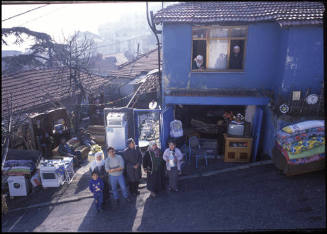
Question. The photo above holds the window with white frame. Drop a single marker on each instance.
(218, 48)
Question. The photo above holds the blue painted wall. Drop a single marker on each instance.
(281, 59)
(276, 58)
(301, 60)
(262, 57)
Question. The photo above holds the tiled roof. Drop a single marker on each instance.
(142, 65)
(285, 13)
(31, 88)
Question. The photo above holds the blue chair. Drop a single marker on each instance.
(185, 151)
(195, 149)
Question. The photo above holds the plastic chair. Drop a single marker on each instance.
(194, 148)
(186, 152)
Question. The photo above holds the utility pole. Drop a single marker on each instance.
(6, 144)
(138, 50)
(156, 32)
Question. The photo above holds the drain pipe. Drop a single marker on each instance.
(156, 32)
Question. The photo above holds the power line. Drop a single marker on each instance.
(25, 12)
(26, 22)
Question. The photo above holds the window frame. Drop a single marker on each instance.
(195, 27)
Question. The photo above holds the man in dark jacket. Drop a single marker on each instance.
(133, 160)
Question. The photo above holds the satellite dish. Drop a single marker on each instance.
(153, 105)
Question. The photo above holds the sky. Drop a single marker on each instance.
(60, 20)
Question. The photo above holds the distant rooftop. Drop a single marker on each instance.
(140, 66)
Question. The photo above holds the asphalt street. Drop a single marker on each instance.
(258, 198)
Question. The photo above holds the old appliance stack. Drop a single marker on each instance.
(56, 172)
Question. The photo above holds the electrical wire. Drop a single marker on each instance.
(26, 22)
(24, 12)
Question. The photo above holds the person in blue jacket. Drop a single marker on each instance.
(96, 187)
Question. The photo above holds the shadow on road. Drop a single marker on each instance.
(25, 221)
(118, 219)
(83, 182)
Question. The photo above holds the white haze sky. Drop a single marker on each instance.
(60, 20)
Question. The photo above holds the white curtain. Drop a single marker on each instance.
(217, 54)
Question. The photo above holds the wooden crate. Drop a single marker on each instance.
(84, 151)
(237, 149)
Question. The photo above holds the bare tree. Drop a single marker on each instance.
(74, 56)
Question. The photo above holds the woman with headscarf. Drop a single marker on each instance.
(133, 159)
(98, 165)
(154, 166)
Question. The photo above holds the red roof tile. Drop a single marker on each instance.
(30, 89)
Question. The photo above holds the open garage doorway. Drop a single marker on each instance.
(210, 122)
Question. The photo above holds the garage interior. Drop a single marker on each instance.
(207, 122)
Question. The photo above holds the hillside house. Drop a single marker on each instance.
(245, 57)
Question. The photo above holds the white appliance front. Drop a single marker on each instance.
(18, 186)
(50, 178)
(116, 137)
(116, 130)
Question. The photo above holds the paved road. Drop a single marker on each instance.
(257, 198)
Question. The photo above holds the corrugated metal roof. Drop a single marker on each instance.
(285, 13)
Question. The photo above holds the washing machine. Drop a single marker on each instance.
(18, 186)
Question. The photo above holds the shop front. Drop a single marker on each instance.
(209, 119)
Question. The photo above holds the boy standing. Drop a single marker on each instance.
(173, 157)
(96, 187)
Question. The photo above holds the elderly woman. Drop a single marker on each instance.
(154, 166)
(98, 165)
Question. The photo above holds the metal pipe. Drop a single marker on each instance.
(153, 28)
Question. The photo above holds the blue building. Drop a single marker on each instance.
(223, 56)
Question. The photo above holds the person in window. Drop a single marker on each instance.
(198, 62)
(66, 150)
(235, 61)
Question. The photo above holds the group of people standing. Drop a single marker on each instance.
(129, 165)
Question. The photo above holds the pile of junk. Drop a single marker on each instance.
(27, 170)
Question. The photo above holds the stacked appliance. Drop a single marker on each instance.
(116, 130)
(19, 167)
(56, 172)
